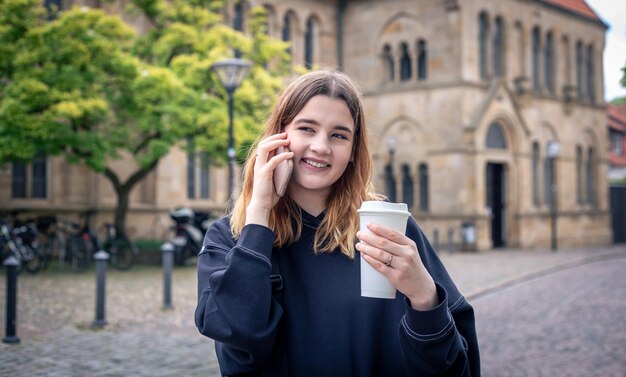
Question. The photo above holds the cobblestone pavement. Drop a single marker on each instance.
(568, 323)
(56, 308)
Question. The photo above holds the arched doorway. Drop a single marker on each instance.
(496, 188)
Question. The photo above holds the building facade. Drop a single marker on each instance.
(464, 99)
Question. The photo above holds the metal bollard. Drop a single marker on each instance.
(450, 239)
(436, 239)
(11, 264)
(168, 262)
(101, 258)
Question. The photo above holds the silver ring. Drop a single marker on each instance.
(388, 263)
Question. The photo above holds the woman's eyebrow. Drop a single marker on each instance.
(307, 121)
(344, 128)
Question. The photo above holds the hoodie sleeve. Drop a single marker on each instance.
(235, 303)
(441, 341)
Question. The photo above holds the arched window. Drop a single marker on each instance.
(308, 43)
(591, 92)
(535, 173)
(287, 30)
(590, 177)
(405, 63)
(495, 137)
(483, 35)
(549, 63)
(407, 186)
(390, 183)
(388, 63)
(498, 39)
(579, 174)
(422, 60)
(579, 69)
(536, 51)
(423, 176)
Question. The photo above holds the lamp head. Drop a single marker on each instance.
(231, 72)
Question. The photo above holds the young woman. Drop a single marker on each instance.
(310, 319)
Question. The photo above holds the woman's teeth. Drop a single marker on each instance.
(316, 164)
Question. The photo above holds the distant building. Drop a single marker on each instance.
(463, 98)
(617, 142)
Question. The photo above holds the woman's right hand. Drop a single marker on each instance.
(264, 197)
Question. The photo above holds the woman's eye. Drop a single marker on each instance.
(305, 129)
(340, 136)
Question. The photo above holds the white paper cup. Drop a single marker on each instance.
(392, 215)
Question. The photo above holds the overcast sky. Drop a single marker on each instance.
(613, 12)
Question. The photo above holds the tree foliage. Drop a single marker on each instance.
(86, 85)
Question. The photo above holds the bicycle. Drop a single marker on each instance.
(122, 250)
(22, 244)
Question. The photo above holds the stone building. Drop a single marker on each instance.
(463, 99)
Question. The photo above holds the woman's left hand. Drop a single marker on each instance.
(395, 256)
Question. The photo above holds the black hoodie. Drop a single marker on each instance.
(321, 326)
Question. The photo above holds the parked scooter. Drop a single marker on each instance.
(188, 233)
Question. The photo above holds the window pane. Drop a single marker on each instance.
(39, 176)
(590, 75)
(536, 50)
(547, 181)
(407, 186)
(422, 60)
(535, 174)
(548, 62)
(390, 183)
(191, 175)
(204, 176)
(287, 30)
(19, 180)
(497, 48)
(579, 69)
(495, 137)
(483, 33)
(590, 177)
(389, 65)
(308, 43)
(579, 173)
(238, 18)
(405, 63)
(423, 174)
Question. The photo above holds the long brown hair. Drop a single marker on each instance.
(340, 223)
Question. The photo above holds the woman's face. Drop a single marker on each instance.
(321, 137)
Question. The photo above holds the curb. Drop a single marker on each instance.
(497, 287)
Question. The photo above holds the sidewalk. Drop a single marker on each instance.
(477, 274)
(55, 310)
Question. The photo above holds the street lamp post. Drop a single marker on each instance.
(231, 73)
(554, 149)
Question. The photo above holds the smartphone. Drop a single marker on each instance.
(282, 173)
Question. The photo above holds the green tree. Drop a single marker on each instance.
(87, 86)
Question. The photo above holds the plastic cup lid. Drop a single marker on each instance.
(379, 206)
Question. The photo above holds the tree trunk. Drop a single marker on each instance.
(123, 190)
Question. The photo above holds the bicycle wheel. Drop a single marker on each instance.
(123, 253)
(29, 258)
(78, 254)
(47, 250)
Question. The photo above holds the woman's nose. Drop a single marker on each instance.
(320, 145)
